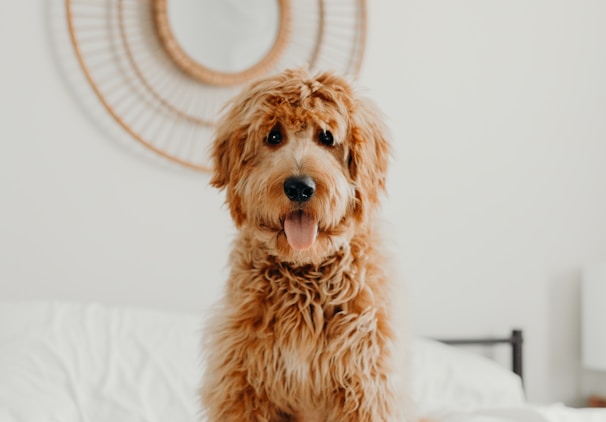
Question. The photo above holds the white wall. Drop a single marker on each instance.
(497, 191)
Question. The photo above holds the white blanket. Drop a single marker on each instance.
(89, 363)
(526, 413)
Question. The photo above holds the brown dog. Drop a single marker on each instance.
(303, 332)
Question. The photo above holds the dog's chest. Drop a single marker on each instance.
(305, 323)
(302, 338)
(302, 312)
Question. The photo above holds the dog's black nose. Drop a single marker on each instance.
(299, 188)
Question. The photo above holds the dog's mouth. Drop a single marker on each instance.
(301, 230)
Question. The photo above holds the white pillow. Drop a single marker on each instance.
(90, 363)
(445, 378)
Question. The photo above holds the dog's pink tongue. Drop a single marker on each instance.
(301, 230)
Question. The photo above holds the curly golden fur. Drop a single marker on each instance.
(303, 332)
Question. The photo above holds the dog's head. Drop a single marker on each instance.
(303, 161)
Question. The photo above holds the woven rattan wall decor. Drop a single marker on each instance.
(133, 54)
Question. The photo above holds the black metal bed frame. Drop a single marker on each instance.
(516, 340)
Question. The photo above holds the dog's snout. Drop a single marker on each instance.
(299, 188)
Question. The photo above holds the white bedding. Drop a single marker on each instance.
(526, 413)
(89, 363)
(446, 379)
(92, 363)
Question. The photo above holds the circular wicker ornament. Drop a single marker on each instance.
(169, 102)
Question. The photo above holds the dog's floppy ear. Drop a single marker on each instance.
(228, 147)
(223, 152)
(369, 154)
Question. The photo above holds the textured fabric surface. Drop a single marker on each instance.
(66, 362)
(446, 378)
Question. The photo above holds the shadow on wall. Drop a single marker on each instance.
(564, 336)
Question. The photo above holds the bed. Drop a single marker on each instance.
(93, 363)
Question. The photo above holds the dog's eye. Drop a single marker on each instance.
(274, 137)
(326, 138)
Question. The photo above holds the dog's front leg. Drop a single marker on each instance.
(227, 394)
(358, 406)
(239, 404)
